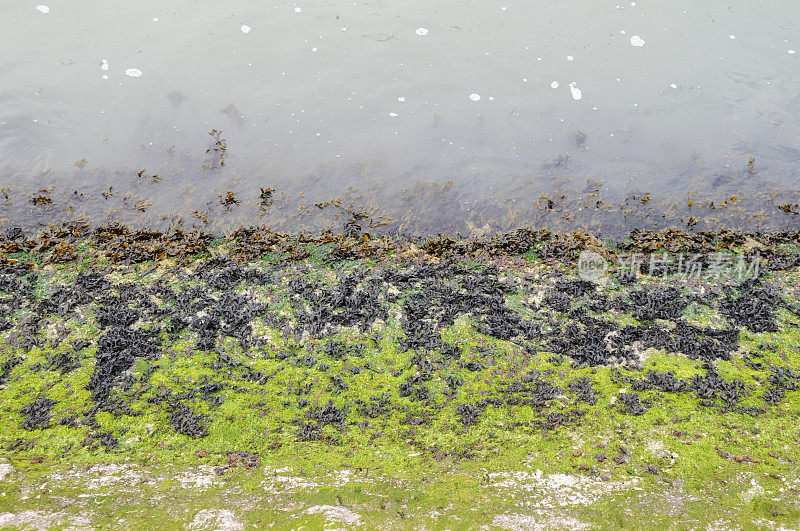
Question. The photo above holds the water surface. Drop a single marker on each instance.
(503, 98)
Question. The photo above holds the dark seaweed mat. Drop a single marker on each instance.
(137, 321)
(36, 415)
(658, 303)
(117, 350)
(754, 306)
(188, 422)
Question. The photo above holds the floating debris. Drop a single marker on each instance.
(217, 153)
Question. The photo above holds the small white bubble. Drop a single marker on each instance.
(298, 9)
(674, 86)
(401, 98)
(791, 52)
(392, 114)
(246, 29)
(133, 72)
(637, 41)
(570, 58)
(155, 19)
(732, 37)
(421, 32)
(554, 84)
(43, 9)
(104, 66)
(475, 97)
(105, 76)
(314, 49)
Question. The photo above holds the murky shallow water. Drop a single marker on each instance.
(505, 98)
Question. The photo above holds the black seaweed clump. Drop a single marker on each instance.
(781, 379)
(328, 414)
(353, 301)
(37, 414)
(188, 422)
(785, 378)
(470, 413)
(583, 389)
(587, 341)
(440, 293)
(662, 381)
(223, 273)
(108, 441)
(658, 303)
(633, 404)
(67, 360)
(560, 302)
(7, 365)
(754, 307)
(532, 391)
(117, 350)
(704, 343)
(575, 287)
(378, 405)
(711, 387)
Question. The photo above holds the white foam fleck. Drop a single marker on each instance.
(314, 49)
(392, 114)
(576, 92)
(637, 41)
(246, 29)
(104, 65)
(298, 9)
(343, 28)
(43, 9)
(554, 84)
(732, 37)
(421, 31)
(133, 72)
(570, 58)
(674, 86)
(475, 97)
(401, 98)
(791, 52)
(155, 19)
(105, 76)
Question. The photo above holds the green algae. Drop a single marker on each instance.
(678, 464)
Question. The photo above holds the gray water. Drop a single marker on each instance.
(502, 98)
